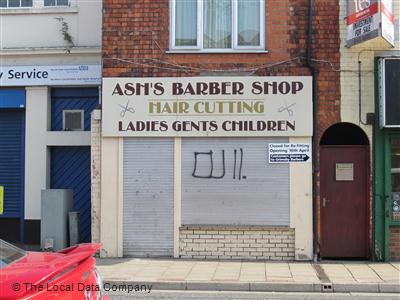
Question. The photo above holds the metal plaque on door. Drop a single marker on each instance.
(344, 172)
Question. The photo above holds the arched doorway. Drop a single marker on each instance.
(344, 192)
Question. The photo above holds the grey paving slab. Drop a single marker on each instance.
(165, 285)
(396, 265)
(278, 272)
(303, 272)
(172, 274)
(153, 271)
(121, 271)
(362, 273)
(178, 271)
(202, 271)
(386, 272)
(252, 272)
(338, 273)
(356, 287)
(281, 287)
(227, 271)
(218, 286)
(389, 288)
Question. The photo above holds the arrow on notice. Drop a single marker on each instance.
(277, 158)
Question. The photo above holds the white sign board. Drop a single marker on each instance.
(387, 19)
(344, 172)
(368, 19)
(207, 106)
(50, 75)
(289, 153)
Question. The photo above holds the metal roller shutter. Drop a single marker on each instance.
(148, 213)
(11, 161)
(229, 181)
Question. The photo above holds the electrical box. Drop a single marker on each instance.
(56, 205)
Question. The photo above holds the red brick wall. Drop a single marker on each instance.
(394, 243)
(136, 43)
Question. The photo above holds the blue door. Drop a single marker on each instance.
(70, 169)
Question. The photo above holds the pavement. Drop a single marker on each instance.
(201, 275)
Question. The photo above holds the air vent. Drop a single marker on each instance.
(73, 120)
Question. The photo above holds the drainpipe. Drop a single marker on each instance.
(313, 71)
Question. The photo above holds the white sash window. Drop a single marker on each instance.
(217, 25)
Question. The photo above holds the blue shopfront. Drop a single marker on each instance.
(12, 144)
(45, 144)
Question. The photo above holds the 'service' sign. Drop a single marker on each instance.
(50, 75)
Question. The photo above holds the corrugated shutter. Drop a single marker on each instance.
(148, 197)
(70, 169)
(11, 161)
(229, 181)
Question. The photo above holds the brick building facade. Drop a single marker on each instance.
(360, 96)
(137, 44)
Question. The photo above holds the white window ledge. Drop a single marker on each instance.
(214, 51)
(38, 10)
(52, 50)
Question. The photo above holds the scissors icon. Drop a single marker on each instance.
(287, 108)
(125, 109)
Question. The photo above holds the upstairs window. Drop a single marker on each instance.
(217, 25)
(31, 3)
(56, 3)
(15, 3)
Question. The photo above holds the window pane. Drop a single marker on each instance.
(13, 3)
(49, 2)
(3, 3)
(26, 3)
(248, 22)
(62, 2)
(217, 19)
(395, 172)
(186, 23)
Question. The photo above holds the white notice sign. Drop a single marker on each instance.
(289, 153)
(50, 75)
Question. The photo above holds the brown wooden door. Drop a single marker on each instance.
(344, 201)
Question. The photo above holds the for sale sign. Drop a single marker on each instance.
(368, 19)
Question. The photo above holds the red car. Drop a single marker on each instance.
(67, 274)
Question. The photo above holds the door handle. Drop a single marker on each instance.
(324, 202)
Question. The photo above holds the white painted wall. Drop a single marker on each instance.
(349, 57)
(36, 57)
(301, 212)
(37, 26)
(111, 202)
(37, 99)
(37, 140)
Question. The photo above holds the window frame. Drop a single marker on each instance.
(56, 4)
(38, 5)
(199, 47)
(16, 7)
(66, 111)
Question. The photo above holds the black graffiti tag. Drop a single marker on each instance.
(237, 166)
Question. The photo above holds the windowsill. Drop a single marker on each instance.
(38, 10)
(219, 51)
